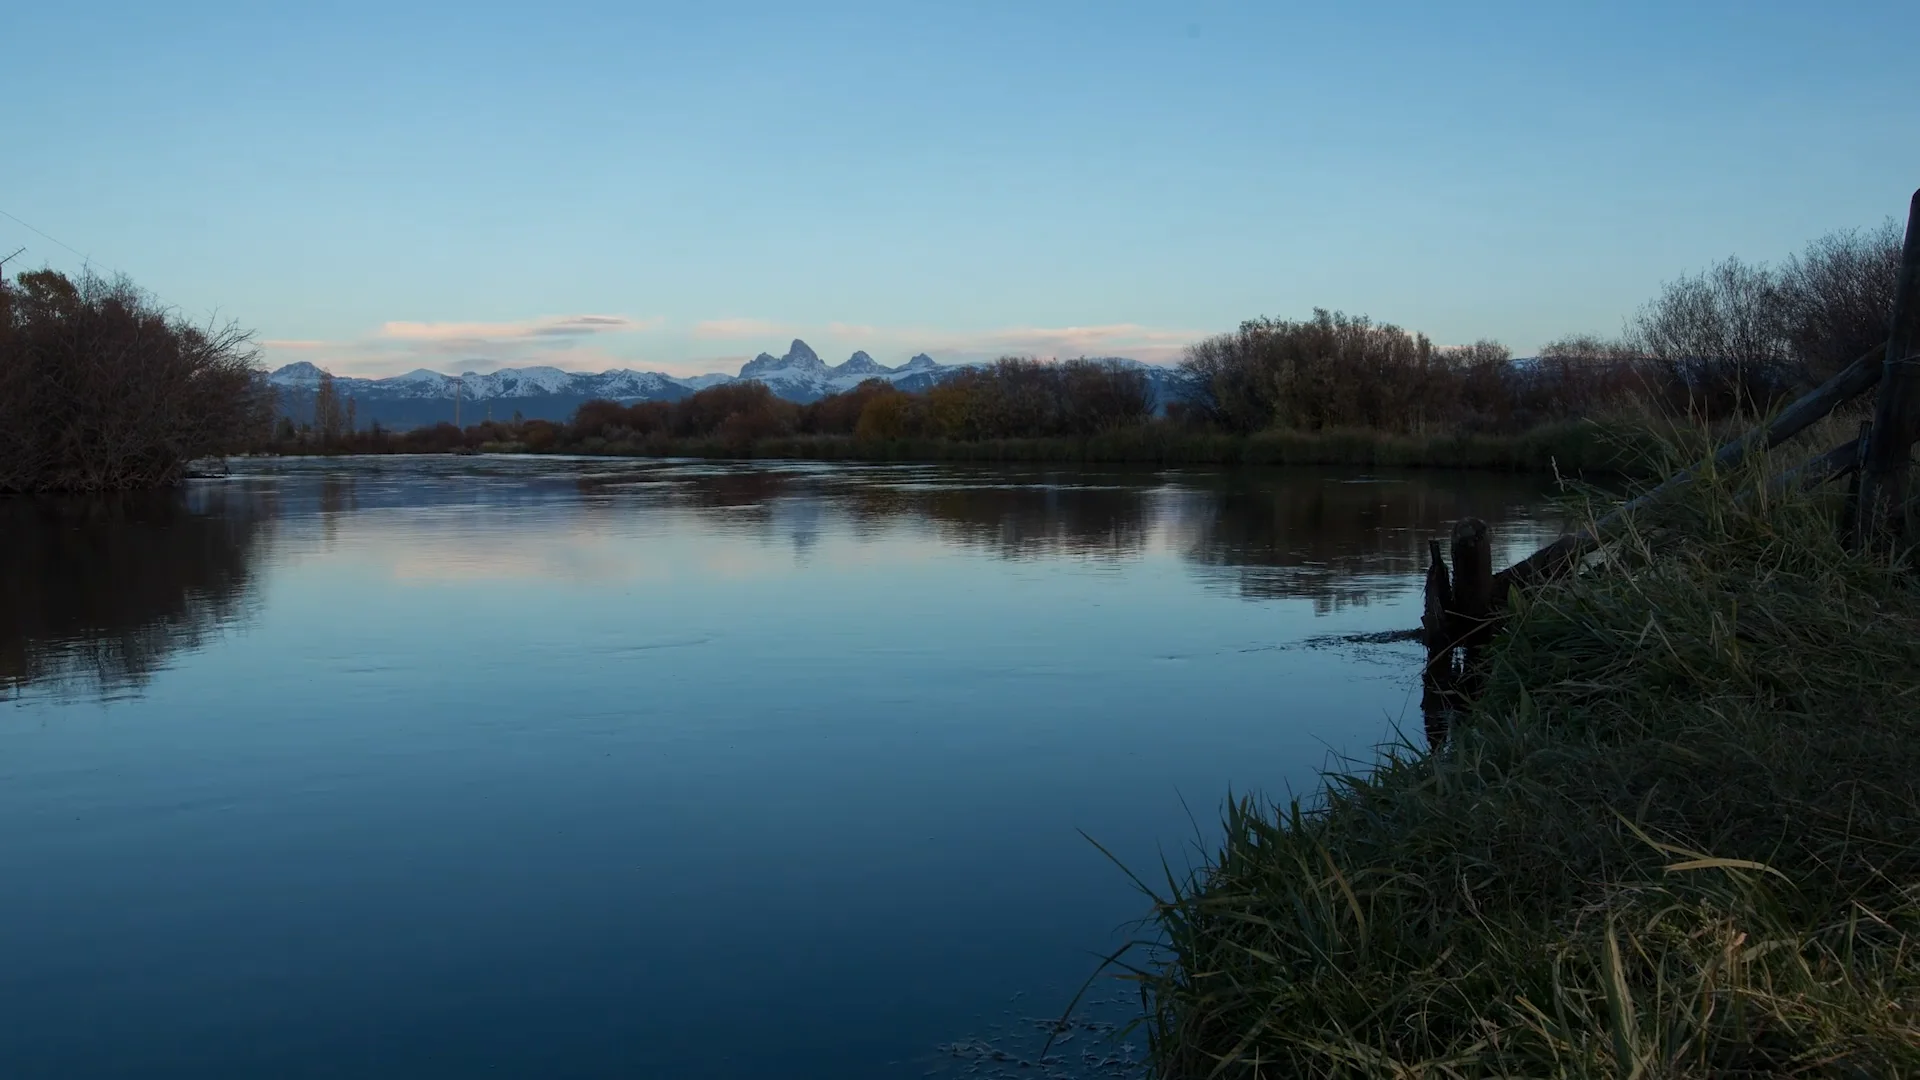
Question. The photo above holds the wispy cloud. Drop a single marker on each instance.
(1141, 342)
(553, 326)
(1153, 344)
(744, 328)
(599, 342)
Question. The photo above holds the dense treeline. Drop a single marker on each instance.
(1732, 340)
(1015, 398)
(1332, 388)
(102, 389)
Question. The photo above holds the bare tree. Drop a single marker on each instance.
(1719, 336)
(1837, 296)
(328, 417)
(103, 389)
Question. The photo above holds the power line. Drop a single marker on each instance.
(45, 236)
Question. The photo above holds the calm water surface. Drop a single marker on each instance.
(452, 767)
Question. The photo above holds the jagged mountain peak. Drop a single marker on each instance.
(861, 364)
(800, 354)
(800, 358)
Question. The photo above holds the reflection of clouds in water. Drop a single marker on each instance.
(1311, 534)
(801, 521)
(105, 595)
(612, 546)
(568, 559)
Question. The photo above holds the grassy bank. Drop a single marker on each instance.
(1573, 447)
(1676, 837)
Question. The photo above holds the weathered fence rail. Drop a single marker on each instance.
(1464, 606)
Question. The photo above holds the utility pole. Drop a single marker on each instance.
(457, 381)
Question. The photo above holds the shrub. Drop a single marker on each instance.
(884, 416)
(101, 389)
(704, 413)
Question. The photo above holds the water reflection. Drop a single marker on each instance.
(105, 590)
(1337, 540)
(1049, 517)
(101, 591)
(492, 722)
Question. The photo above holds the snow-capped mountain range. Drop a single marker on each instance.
(426, 397)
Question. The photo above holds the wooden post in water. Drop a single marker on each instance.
(1884, 481)
(1437, 679)
(1471, 618)
(1433, 623)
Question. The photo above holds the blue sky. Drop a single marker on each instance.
(379, 187)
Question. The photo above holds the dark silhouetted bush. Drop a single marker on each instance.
(101, 389)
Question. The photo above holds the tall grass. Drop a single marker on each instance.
(1678, 836)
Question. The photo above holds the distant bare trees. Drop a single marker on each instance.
(1333, 370)
(1732, 339)
(1738, 336)
(1837, 295)
(1020, 397)
(101, 389)
(332, 420)
(1012, 398)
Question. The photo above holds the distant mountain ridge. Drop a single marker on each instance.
(422, 397)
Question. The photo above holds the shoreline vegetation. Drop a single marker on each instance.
(1712, 349)
(1669, 832)
(104, 389)
(1589, 448)
(1673, 837)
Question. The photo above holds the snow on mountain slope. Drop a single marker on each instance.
(299, 374)
(861, 364)
(548, 392)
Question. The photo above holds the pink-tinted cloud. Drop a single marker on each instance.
(1152, 344)
(547, 327)
(744, 328)
(600, 342)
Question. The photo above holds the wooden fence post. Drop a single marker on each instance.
(1884, 481)
(1471, 623)
(1434, 630)
(1850, 509)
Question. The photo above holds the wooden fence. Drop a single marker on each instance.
(1464, 605)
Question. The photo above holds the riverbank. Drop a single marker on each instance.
(1572, 448)
(1673, 838)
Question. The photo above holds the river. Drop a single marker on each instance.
(445, 767)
